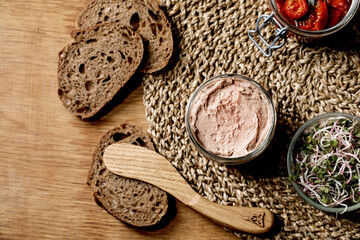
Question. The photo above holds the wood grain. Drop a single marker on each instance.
(45, 152)
(146, 165)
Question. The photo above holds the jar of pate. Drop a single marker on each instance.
(230, 119)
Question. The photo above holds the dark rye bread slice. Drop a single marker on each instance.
(95, 65)
(134, 202)
(145, 16)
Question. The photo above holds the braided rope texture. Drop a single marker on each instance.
(303, 80)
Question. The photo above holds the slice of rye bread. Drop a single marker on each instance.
(134, 202)
(96, 65)
(145, 16)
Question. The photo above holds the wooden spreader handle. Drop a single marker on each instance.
(136, 162)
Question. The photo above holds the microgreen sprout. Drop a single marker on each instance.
(327, 162)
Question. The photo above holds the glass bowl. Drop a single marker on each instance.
(291, 166)
(260, 147)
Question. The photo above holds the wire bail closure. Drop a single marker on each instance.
(280, 33)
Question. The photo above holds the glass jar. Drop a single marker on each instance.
(260, 146)
(283, 26)
(291, 162)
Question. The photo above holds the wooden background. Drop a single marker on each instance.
(45, 152)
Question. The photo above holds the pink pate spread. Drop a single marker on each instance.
(231, 117)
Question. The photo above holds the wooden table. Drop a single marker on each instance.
(45, 152)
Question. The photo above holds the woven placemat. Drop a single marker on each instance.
(303, 81)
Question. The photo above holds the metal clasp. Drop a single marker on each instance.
(280, 32)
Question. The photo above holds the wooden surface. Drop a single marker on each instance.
(45, 152)
(143, 164)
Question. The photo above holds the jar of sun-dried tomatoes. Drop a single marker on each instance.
(306, 19)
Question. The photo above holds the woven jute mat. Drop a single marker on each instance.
(303, 80)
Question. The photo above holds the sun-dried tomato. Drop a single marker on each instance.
(324, 14)
(309, 22)
(296, 9)
(341, 5)
(334, 17)
(321, 13)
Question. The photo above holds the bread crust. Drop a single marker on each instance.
(145, 17)
(95, 65)
(134, 202)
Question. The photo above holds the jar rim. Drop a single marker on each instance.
(222, 159)
(324, 32)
